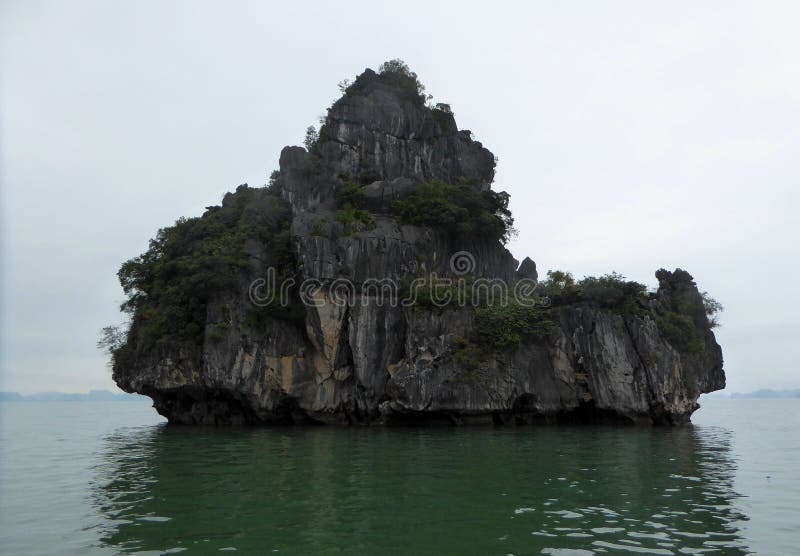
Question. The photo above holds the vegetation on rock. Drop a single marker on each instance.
(168, 287)
(680, 330)
(682, 319)
(460, 209)
(396, 72)
(713, 308)
(501, 326)
(351, 199)
(611, 291)
(354, 220)
(351, 193)
(311, 137)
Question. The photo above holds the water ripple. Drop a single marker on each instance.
(156, 490)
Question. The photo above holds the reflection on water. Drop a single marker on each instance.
(419, 491)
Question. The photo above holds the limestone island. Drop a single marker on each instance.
(369, 283)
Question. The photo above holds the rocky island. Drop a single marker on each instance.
(369, 283)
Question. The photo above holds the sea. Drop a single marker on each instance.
(112, 478)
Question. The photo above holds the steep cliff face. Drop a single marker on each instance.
(366, 357)
(381, 134)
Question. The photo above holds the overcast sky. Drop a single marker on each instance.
(631, 136)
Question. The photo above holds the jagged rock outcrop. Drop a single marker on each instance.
(368, 359)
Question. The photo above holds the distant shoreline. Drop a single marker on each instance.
(91, 396)
(108, 396)
(758, 394)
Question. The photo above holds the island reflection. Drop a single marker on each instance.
(422, 491)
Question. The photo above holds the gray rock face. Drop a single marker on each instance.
(527, 269)
(374, 133)
(379, 133)
(373, 361)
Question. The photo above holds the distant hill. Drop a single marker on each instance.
(768, 393)
(91, 396)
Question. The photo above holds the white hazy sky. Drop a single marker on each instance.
(631, 136)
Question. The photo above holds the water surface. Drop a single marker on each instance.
(110, 477)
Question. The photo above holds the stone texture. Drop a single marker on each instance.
(527, 269)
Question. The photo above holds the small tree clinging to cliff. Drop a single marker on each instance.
(112, 338)
(311, 137)
(713, 308)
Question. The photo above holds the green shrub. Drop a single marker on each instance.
(561, 279)
(680, 331)
(559, 287)
(499, 327)
(351, 200)
(351, 193)
(354, 220)
(610, 291)
(459, 209)
(613, 291)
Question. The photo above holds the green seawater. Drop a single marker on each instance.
(111, 478)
